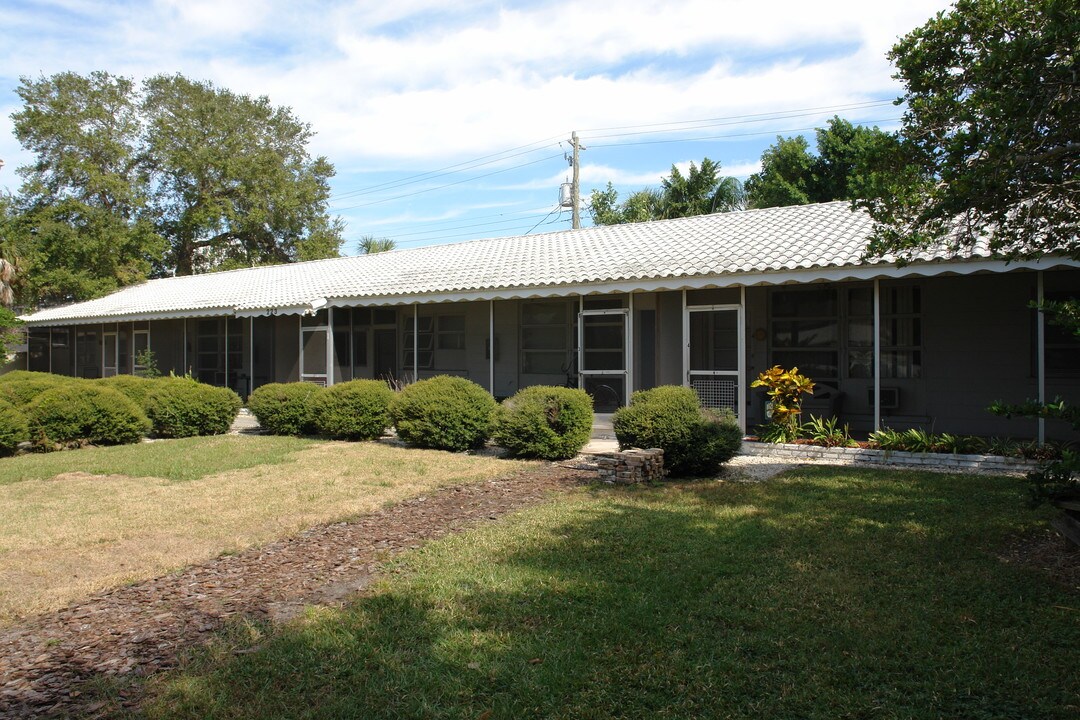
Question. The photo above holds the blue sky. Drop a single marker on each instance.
(447, 123)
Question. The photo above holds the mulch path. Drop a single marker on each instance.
(133, 631)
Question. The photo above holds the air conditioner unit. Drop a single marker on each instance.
(890, 397)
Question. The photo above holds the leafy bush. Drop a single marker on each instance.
(354, 410)
(285, 408)
(20, 387)
(443, 412)
(135, 387)
(13, 428)
(785, 389)
(85, 411)
(182, 407)
(828, 432)
(552, 423)
(696, 442)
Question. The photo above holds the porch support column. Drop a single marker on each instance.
(251, 355)
(1040, 352)
(183, 370)
(685, 343)
(629, 347)
(226, 351)
(744, 405)
(329, 346)
(491, 347)
(415, 342)
(581, 342)
(50, 351)
(877, 355)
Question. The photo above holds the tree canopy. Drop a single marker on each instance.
(700, 191)
(852, 161)
(171, 176)
(990, 142)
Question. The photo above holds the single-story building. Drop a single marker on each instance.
(706, 301)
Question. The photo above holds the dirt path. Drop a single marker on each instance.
(140, 629)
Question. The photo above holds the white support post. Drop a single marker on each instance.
(877, 355)
(329, 347)
(251, 355)
(416, 341)
(185, 368)
(581, 341)
(629, 347)
(1040, 352)
(744, 405)
(685, 343)
(491, 347)
(226, 351)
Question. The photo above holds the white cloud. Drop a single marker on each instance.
(418, 84)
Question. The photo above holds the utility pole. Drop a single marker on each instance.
(575, 185)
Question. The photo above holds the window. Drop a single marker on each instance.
(1062, 346)
(901, 332)
(805, 332)
(441, 342)
(815, 328)
(424, 337)
(545, 332)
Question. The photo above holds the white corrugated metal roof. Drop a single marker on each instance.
(799, 238)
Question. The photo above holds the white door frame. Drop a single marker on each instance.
(326, 375)
(628, 349)
(115, 367)
(740, 373)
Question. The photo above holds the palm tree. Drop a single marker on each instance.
(369, 245)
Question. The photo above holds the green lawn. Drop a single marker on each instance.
(829, 593)
(183, 459)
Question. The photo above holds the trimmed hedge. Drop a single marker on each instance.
(696, 442)
(13, 428)
(20, 387)
(182, 407)
(547, 422)
(285, 408)
(135, 387)
(83, 411)
(443, 412)
(354, 410)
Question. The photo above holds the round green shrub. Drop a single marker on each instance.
(87, 412)
(285, 408)
(696, 442)
(13, 428)
(135, 387)
(443, 412)
(354, 410)
(182, 407)
(20, 387)
(547, 422)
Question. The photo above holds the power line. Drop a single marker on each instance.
(722, 137)
(442, 187)
(775, 113)
(553, 210)
(544, 143)
(519, 219)
(450, 169)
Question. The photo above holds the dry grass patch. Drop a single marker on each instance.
(74, 533)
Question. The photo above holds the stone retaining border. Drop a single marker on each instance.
(631, 466)
(877, 458)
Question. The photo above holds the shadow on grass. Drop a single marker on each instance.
(828, 594)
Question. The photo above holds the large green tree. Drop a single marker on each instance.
(173, 176)
(852, 161)
(700, 191)
(991, 133)
(82, 228)
(233, 183)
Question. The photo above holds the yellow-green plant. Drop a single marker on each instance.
(785, 389)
